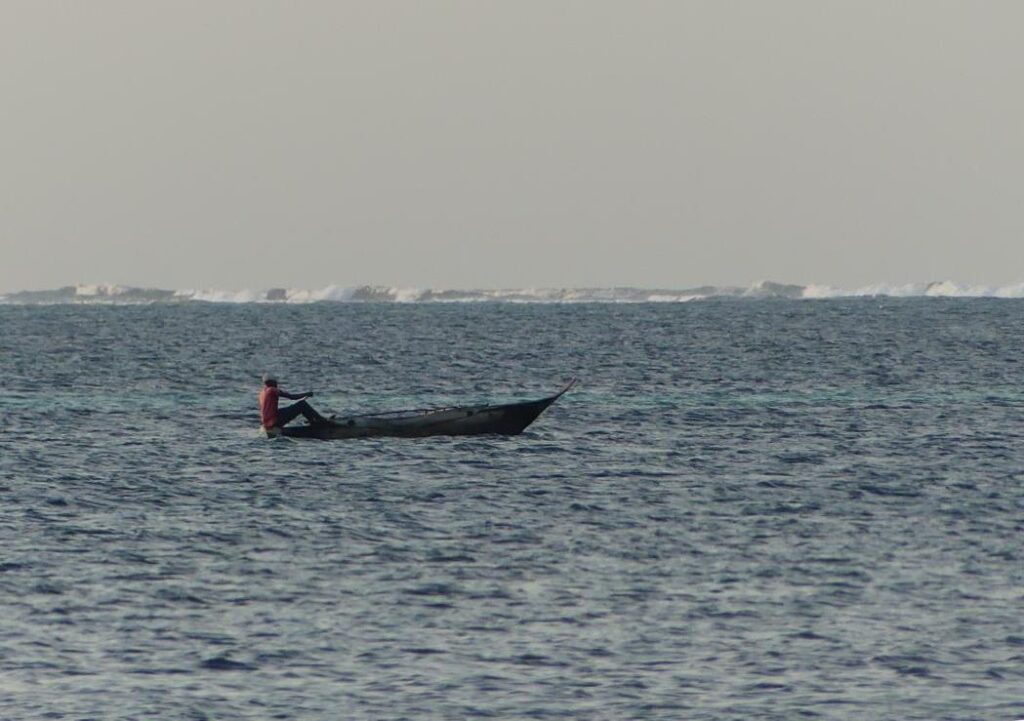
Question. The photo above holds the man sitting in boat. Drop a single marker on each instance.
(274, 417)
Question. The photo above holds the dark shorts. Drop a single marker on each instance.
(290, 413)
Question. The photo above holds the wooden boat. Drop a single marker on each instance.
(509, 419)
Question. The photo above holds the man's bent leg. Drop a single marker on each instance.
(286, 415)
(311, 414)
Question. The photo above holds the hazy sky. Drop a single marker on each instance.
(248, 144)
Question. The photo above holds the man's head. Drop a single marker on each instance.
(269, 379)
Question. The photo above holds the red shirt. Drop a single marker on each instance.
(268, 405)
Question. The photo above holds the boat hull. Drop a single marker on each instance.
(508, 420)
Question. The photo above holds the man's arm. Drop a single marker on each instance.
(295, 396)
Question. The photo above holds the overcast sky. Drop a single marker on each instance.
(247, 144)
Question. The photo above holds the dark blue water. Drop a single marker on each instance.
(770, 510)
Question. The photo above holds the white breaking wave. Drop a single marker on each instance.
(938, 289)
(95, 291)
(220, 296)
(126, 295)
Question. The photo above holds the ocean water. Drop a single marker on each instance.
(748, 509)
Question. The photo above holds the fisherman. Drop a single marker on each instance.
(276, 418)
